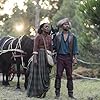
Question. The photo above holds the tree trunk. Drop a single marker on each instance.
(37, 15)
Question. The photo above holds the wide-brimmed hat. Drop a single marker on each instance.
(62, 21)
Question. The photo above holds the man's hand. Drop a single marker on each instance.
(74, 61)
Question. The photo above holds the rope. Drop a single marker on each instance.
(89, 78)
(81, 76)
(19, 45)
(6, 42)
(17, 48)
(88, 63)
(29, 61)
(10, 45)
(12, 50)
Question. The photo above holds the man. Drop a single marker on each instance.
(65, 45)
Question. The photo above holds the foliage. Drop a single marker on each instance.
(69, 8)
(90, 39)
(90, 10)
(27, 17)
(84, 15)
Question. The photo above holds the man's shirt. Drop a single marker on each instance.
(64, 45)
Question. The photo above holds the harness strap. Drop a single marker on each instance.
(5, 43)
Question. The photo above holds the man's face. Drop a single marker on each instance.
(46, 28)
(66, 26)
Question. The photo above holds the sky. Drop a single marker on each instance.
(10, 4)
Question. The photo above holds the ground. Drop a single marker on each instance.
(83, 90)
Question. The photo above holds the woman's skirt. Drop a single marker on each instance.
(39, 79)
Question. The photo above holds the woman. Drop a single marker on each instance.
(39, 80)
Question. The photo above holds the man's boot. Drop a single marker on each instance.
(57, 88)
(57, 92)
(70, 94)
(70, 89)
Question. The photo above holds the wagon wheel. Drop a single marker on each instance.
(11, 73)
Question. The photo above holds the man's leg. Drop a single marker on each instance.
(68, 68)
(59, 72)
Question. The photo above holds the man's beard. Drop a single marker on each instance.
(66, 29)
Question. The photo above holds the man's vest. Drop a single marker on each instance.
(70, 42)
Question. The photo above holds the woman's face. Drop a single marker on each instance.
(46, 28)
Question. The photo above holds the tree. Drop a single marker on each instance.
(30, 17)
(90, 10)
(69, 8)
(90, 38)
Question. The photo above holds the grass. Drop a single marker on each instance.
(83, 90)
(86, 89)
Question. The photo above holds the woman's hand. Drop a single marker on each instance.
(35, 59)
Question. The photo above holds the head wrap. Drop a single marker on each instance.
(62, 21)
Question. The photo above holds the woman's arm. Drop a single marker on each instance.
(35, 48)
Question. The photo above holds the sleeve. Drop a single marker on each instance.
(55, 43)
(75, 46)
(51, 44)
(36, 45)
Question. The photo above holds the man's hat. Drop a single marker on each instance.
(62, 21)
